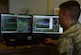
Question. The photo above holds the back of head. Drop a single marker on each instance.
(73, 8)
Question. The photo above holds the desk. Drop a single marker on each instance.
(29, 50)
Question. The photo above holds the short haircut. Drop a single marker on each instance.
(73, 7)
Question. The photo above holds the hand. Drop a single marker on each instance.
(48, 40)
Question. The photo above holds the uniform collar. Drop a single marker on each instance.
(72, 29)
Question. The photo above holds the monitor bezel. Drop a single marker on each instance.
(15, 15)
(48, 16)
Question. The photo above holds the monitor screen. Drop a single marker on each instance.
(24, 24)
(8, 23)
(11, 23)
(46, 24)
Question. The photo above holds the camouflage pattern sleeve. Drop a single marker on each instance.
(78, 44)
(65, 46)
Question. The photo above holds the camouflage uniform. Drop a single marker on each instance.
(70, 41)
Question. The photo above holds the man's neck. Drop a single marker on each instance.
(70, 24)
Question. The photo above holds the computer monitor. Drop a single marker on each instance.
(8, 23)
(46, 24)
(11, 23)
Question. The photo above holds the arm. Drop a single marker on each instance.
(65, 46)
(78, 44)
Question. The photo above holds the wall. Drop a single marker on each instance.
(34, 6)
